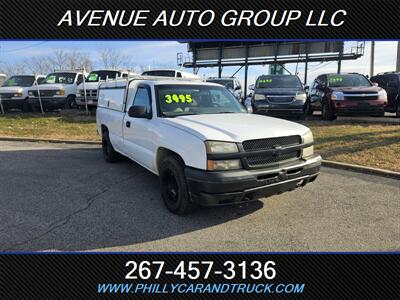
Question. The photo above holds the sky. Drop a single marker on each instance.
(162, 54)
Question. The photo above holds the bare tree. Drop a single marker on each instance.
(58, 59)
(13, 69)
(38, 65)
(113, 59)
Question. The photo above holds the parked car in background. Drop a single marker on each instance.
(390, 82)
(58, 90)
(92, 83)
(279, 95)
(14, 91)
(2, 78)
(170, 73)
(344, 94)
(231, 83)
(201, 142)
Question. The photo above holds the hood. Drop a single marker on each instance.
(235, 127)
(278, 91)
(89, 85)
(51, 86)
(361, 89)
(11, 89)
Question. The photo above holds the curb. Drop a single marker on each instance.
(360, 169)
(28, 139)
(325, 163)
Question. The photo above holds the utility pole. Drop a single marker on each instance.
(372, 60)
(398, 58)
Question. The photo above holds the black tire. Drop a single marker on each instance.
(327, 113)
(71, 103)
(109, 154)
(35, 108)
(174, 190)
(26, 107)
(398, 110)
(308, 110)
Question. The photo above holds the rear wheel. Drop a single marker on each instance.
(109, 154)
(327, 113)
(174, 190)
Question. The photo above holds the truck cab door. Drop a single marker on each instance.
(137, 131)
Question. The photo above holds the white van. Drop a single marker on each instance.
(2, 78)
(202, 143)
(92, 83)
(171, 73)
(14, 91)
(57, 90)
(231, 83)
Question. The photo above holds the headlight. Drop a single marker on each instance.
(19, 94)
(30, 93)
(337, 96)
(301, 96)
(220, 165)
(308, 139)
(382, 95)
(215, 147)
(258, 97)
(60, 93)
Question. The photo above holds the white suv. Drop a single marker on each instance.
(14, 91)
(201, 142)
(58, 90)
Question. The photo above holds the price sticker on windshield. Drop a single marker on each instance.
(335, 79)
(178, 98)
(93, 77)
(266, 80)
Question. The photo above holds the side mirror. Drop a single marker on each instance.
(137, 111)
(306, 87)
(237, 88)
(251, 87)
(320, 86)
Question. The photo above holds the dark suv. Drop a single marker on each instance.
(282, 95)
(390, 81)
(344, 94)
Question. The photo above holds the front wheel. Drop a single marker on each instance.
(398, 110)
(26, 107)
(327, 113)
(71, 103)
(174, 190)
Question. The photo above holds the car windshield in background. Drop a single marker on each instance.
(19, 81)
(96, 76)
(64, 78)
(277, 82)
(225, 82)
(348, 80)
(181, 100)
(165, 73)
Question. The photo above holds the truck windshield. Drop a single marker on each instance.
(180, 100)
(228, 83)
(97, 76)
(278, 82)
(348, 80)
(19, 81)
(64, 78)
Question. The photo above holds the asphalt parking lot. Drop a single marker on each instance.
(59, 197)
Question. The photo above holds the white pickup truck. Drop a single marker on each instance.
(201, 142)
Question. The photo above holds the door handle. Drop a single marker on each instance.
(128, 124)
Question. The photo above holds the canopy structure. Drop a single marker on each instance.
(244, 54)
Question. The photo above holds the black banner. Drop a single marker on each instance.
(189, 19)
(202, 276)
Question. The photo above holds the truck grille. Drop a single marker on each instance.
(255, 160)
(89, 93)
(360, 96)
(44, 93)
(6, 95)
(280, 99)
